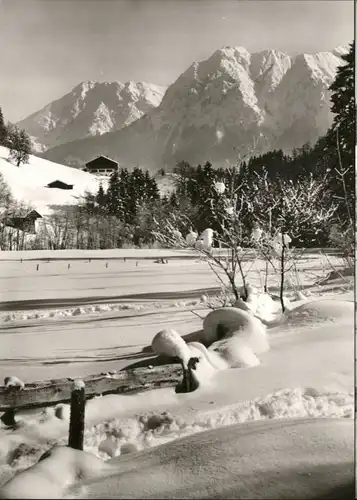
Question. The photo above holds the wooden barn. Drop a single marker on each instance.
(26, 223)
(102, 165)
(59, 185)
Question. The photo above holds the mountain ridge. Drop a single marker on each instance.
(222, 104)
(91, 108)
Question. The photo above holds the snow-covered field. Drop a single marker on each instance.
(88, 318)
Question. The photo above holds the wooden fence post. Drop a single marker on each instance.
(77, 417)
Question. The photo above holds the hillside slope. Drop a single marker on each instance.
(27, 182)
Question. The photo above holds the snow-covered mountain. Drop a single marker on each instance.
(224, 104)
(91, 108)
(28, 182)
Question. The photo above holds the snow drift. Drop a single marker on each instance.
(306, 458)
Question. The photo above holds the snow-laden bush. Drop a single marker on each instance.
(229, 322)
(170, 343)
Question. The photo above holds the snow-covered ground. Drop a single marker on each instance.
(48, 315)
(308, 372)
(28, 182)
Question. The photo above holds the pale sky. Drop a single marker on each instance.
(49, 46)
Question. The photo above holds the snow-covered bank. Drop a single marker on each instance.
(305, 458)
(309, 371)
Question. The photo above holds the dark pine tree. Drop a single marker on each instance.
(101, 198)
(173, 200)
(344, 104)
(136, 193)
(151, 188)
(336, 150)
(113, 195)
(3, 130)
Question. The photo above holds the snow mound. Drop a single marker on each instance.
(236, 353)
(302, 458)
(234, 338)
(22, 448)
(14, 382)
(262, 306)
(62, 411)
(154, 428)
(224, 321)
(50, 476)
(236, 335)
(199, 350)
(322, 310)
(208, 365)
(170, 343)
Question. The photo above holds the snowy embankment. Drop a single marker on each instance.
(308, 372)
(305, 459)
(28, 182)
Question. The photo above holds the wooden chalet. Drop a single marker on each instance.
(102, 165)
(59, 185)
(25, 223)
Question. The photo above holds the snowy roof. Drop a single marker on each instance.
(101, 157)
(32, 213)
(58, 181)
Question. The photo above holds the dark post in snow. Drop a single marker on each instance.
(69, 266)
(282, 271)
(37, 267)
(189, 382)
(76, 421)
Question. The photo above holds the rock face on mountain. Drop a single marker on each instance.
(90, 109)
(231, 102)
